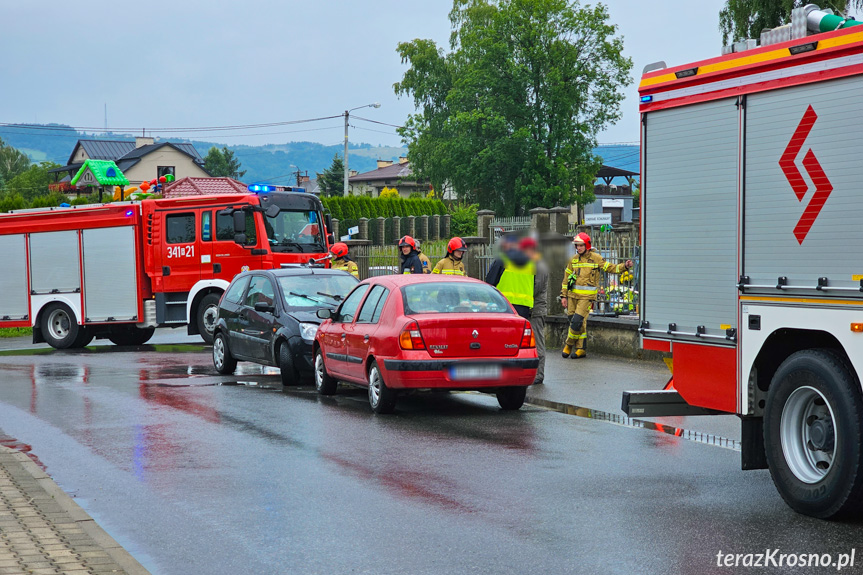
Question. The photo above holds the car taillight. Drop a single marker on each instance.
(527, 339)
(411, 338)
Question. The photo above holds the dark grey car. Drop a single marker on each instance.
(270, 317)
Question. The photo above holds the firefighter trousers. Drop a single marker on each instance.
(577, 310)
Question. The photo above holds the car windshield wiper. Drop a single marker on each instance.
(335, 297)
(306, 297)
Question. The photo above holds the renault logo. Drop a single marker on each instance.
(475, 334)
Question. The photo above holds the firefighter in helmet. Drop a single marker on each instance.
(452, 264)
(341, 261)
(578, 291)
(426, 262)
(410, 263)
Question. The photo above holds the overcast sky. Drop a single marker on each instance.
(197, 63)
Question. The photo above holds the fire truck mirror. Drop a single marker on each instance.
(240, 239)
(272, 211)
(239, 224)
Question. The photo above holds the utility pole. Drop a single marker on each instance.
(347, 117)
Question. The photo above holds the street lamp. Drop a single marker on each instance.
(347, 116)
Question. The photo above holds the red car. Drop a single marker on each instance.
(422, 332)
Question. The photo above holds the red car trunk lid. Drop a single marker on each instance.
(477, 336)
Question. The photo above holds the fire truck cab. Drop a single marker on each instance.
(751, 277)
(119, 270)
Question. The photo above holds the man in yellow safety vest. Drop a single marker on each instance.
(578, 291)
(513, 275)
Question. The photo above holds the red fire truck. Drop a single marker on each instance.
(120, 270)
(751, 172)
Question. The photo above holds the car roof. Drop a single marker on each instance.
(399, 280)
(299, 270)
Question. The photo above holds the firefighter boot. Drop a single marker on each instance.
(567, 349)
(579, 354)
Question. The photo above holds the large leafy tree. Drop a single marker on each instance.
(32, 182)
(332, 181)
(12, 163)
(509, 116)
(223, 163)
(742, 19)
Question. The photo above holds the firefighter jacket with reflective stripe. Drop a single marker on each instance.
(426, 262)
(449, 266)
(581, 276)
(346, 266)
(516, 283)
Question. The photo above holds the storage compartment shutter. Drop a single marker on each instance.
(13, 278)
(55, 262)
(690, 219)
(110, 282)
(832, 246)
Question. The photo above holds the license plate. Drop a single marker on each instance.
(463, 372)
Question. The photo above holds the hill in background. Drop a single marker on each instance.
(272, 163)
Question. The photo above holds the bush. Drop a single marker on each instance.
(463, 222)
(356, 207)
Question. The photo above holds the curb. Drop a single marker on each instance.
(101, 538)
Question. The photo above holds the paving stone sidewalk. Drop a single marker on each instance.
(43, 531)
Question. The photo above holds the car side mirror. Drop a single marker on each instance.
(325, 313)
(263, 307)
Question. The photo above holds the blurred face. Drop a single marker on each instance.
(580, 247)
(406, 250)
(458, 254)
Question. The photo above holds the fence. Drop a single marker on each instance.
(617, 293)
(500, 226)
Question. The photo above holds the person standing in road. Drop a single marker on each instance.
(452, 264)
(410, 263)
(578, 291)
(341, 261)
(540, 302)
(513, 274)
(424, 259)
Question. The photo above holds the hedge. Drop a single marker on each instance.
(356, 207)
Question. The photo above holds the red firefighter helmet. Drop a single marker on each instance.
(582, 238)
(407, 241)
(339, 250)
(456, 245)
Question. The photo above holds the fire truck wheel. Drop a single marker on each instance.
(511, 398)
(59, 326)
(290, 375)
(133, 336)
(85, 336)
(813, 429)
(208, 312)
(223, 361)
(325, 384)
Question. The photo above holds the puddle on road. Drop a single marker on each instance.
(587, 413)
(160, 348)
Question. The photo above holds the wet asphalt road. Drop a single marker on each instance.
(198, 473)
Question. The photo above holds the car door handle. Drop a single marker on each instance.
(366, 337)
(344, 335)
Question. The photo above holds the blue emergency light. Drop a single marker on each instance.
(646, 99)
(261, 188)
(130, 213)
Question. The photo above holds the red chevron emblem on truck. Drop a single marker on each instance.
(823, 187)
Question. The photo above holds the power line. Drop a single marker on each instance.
(376, 122)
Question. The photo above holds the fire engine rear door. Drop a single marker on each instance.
(13, 279)
(110, 280)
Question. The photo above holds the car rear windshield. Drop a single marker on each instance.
(316, 290)
(453, 297)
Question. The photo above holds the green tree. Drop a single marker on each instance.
(742, 19)
(332, 181)
(222, 163)
(509, 116)
(12, 163)
(463, 222)
(32, 182)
